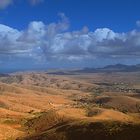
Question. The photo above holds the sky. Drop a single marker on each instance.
(46, 34)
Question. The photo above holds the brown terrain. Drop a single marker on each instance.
(78, 106)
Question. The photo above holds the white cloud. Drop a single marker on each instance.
(53, 42)
(35, 2)
(138, 23)
(5, 3)
(104, 33)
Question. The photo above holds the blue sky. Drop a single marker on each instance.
(41, 34)
(119, 15)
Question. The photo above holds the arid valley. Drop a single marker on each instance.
(78, 106)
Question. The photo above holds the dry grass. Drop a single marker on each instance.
(38, 105)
